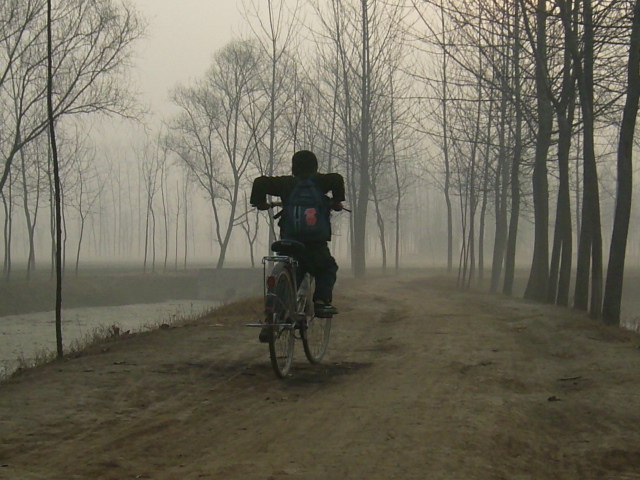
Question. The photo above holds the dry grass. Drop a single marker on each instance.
(97, 336)
(109, 333)
(248, 306)
(250, 310)
(632, 324)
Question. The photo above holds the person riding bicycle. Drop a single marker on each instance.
(316, 257)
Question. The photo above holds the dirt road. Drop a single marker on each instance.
(421, 382)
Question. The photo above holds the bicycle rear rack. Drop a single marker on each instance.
(274, 259)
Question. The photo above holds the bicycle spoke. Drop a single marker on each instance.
(281, 338)
(315, 332)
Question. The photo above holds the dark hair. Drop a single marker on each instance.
(304, 163)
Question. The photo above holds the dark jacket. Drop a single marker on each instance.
(282, 186)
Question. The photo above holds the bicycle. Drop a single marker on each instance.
(289, 311)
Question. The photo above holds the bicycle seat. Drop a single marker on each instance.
(287, 247)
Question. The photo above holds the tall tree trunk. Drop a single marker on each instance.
(396, 177)
(80, 237)
(165, 216)
(445, 142)
(153, 240)
(56, 176)
(186, 225)
(65, 235)
(473, 195)
(562, 253)
(561, 257)
(501, 188)
(381, 231)
(398, 206)
(146, 237)
(590, 242)
(483, 212)
(29, 219)
(463, 258)
(514, 219)
(618, 248)
(223, 241)
(177, 231)
(360, 218)
(539, 275)
(7, 202)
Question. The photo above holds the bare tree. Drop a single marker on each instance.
(214, 136)
(561, 257)
(590, 243)
(364, 184)
(56, 175)
(617, 253)
(250, 224)
(539, 274)
(32, 185)
(478, 42)
(8, 205)
(152, 158)
(89, 187)
(165, 210)
(443, 43)
(91, 41)
(365, 37)
(276, 31)
(518, 147)
(276, 27)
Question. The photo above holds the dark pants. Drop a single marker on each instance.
(317, 260)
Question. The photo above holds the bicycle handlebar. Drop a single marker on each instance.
(280, 204)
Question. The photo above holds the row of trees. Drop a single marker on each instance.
(258, 103)
(89, 50)
(507, 108)
(524, 78)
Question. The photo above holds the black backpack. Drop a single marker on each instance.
(306, 214)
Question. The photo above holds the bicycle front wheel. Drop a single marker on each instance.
(315, 333)
(281, 322)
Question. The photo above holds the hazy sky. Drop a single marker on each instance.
(181, 38)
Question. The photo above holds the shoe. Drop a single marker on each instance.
(264, 334)
(324, 310)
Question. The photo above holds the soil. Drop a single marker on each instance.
(422, 381)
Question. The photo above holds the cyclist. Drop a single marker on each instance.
(316, 257)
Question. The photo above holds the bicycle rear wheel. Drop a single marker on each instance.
(281, 322)
(315, 333)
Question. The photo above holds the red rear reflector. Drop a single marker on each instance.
(271, 282)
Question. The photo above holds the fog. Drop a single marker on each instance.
(429, 186)
(181, 39)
